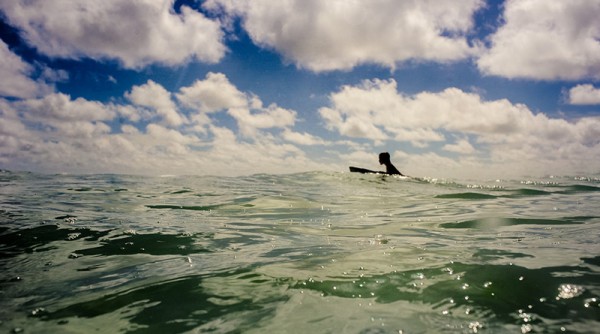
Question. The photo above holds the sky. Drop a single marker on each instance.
(451, 88)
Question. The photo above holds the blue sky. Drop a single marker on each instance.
(452, 89)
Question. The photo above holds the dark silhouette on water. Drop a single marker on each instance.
(384, 159)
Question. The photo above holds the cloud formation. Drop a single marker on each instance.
(338, 34)
(158, 100)
(584, 94)
(546, 41)
(156, 132)
(214, 93)
(213, 127)
(493, 133)
(136, 33)
(15, 74)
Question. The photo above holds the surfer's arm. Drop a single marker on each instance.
(392, 170)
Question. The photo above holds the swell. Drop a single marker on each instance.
(498, 222)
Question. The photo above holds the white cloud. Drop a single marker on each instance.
(11, 124)
(52, 75)
(271, 117)
(302, 138)
(542, 40)
(15, 142)
(431, 164)
(59, 134)
(419, 137)
(584, 94)
(355, 125)
(340, 34)
(361, 158)
(462, 146)
(214, 93)
(136, 33)
(59, 107)
(263, 155)
(157, 98)
(15, 80)
(507, 134)
(377, 105)
(56, 117)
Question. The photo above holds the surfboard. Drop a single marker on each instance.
(363, 170)
(368, 171)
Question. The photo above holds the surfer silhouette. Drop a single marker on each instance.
(384, 159)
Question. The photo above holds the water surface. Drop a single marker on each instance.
(302, 253)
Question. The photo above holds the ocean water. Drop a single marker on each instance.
(302, 253)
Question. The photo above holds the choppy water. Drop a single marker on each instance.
(302, 253)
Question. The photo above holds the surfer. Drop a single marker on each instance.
(384, 159)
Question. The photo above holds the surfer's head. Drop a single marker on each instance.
(384, 158)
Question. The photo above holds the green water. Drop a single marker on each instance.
(302, 253)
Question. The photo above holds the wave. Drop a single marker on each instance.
(498, 222)
(468, 195)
